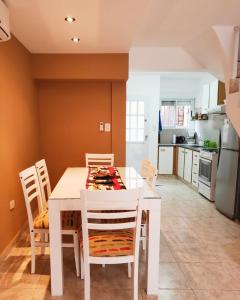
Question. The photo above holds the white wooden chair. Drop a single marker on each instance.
(144, 168)
(44, 180)
(110, 243)
(149, 173)
(39, 224)
(99, 159)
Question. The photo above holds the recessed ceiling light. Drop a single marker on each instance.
(70, 19)
(75, 39)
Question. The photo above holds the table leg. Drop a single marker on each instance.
(55, 237)
(153, 249)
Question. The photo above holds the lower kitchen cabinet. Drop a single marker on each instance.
(195, 168)
(188, 165)
(165, 160)
(185, 164)
(181, 155)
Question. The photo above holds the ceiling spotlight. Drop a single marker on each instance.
(75, 39)
(70, 19)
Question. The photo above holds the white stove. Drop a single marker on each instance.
(207, 173)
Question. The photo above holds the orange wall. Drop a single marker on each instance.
(69, 114)
(55, 117)
(81, 66)
(18, 133)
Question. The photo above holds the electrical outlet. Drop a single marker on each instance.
(107, 127)
(12, 204)
(101, 126)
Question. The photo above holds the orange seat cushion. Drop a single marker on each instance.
(110, 242)
(70, 220)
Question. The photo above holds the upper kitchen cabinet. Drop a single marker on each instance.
(205, 98)
(213, 94)
(217, 94)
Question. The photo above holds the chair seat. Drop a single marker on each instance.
(70, 220)
(110, 242)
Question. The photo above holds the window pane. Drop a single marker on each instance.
(133, 135)
(140, 121)
(140, 135)
(133, 108)
(127, 135)
(141, 108)
(128, 108)
(168, 116)
(133, 122)
(127, 122)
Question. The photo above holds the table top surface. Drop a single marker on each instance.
(74, 179)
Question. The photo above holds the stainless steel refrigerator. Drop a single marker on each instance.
(227, 199)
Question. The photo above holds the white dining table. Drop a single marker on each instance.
(66, 196)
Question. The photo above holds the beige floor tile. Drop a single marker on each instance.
(172, 277)
(217, 295)
(176, 295)
(209, 276)
(166, 254)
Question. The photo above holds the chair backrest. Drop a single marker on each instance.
(99, 159)
(152, 176)
(44, 180)
(144, 168)
(125, 206)
(31, 191)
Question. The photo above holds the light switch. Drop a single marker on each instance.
(107, 127)
(101, 126)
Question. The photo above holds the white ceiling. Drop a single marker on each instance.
(109, 26)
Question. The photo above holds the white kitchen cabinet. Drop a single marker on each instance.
(213, 94)
(165, 160)
(217, 94)
(188, 165)
(181, 155)
(205, 98)
(195, 168)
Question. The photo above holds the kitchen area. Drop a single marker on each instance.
(198, 145)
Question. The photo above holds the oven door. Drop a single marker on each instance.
(205, 170)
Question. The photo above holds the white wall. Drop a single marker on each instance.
(146, 86)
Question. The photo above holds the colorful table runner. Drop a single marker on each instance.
(104, 178)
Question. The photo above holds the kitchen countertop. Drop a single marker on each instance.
(193, 147)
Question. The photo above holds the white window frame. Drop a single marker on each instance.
(137, 114)
(177, 102)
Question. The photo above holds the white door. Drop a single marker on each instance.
(165, 160)
(188, 165)
(181, 154)
(136, 133)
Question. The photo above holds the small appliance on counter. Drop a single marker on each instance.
(180, 139)
(207, 173)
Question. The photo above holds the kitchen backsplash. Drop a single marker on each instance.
(210, 129)
(206, 129)
(166, 135)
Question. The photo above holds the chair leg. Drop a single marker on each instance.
(87, 292)
(33, 256)
(129, 270)
(46, 237)
(82, 265)
(135, 282)
(42, 240)
(144, 234)
(76, 252)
